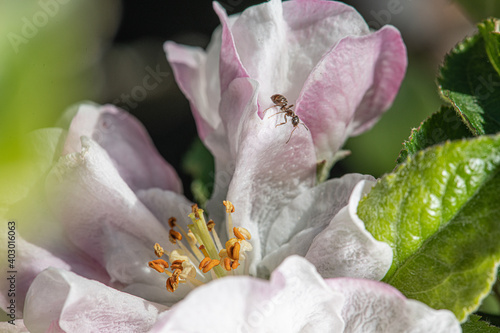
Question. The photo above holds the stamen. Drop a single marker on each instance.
(191, 265)
(200, 230)
(172, 222)
(194, 209)
(159, 265)
(207, 264)
(174, 236)
(173, 281)
(227, 264)
(229, 210)
(234, 251)
(177, 264)
(158, 250)
(191, 238)
(204, 250)
(211, 228)
(229, 206)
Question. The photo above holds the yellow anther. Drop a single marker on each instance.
(159, 265)
(177, 264)
(210, 225)
(234, 251)
(229, 206)
(172, 222)
(158, 250)
(174, 236)
(229, 264)
(195, 209)
(242, 233)
(207, 264)
(172, 283)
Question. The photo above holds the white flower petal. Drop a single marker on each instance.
(346, 249)
(315, 207)
(166, 204)
(279, 44)
(61, 299)
(296, 299)
(126, 142)
(98, 209)
(372, 306)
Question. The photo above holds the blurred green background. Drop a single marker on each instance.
(57, 52)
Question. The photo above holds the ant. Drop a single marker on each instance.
(280, 101)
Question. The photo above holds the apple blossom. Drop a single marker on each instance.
(109, 197)
(322, 57)
(105, 231)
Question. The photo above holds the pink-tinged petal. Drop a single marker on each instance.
(197, 74)
(389, 72)
(85, 191)
(230, 65)
(346, 249)
(372, 306)
(238, 104)
(29, 261)
(17, 327)
(351, 87)
(262, 183)
(126, 142)
(279, 44)
(296, 299)
(65, 302)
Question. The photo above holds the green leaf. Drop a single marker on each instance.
(471, 84)
(439, 212)
(490, 31)
(198, 162)
(441, 126)
(475, 325)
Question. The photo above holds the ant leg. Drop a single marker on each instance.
(305, 126)
(263, 112)
(276, 114)
(291, 134)
(281, 123)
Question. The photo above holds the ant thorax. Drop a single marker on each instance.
(281, 102)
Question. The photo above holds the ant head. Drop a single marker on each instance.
(278, 99)
(295, 120)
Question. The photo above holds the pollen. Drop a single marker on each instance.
(159, 265)
(174, 236)
(172, 222)
(207, 264)
(242, 233)
(159, 250)
(229, 206)
(200, 255)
